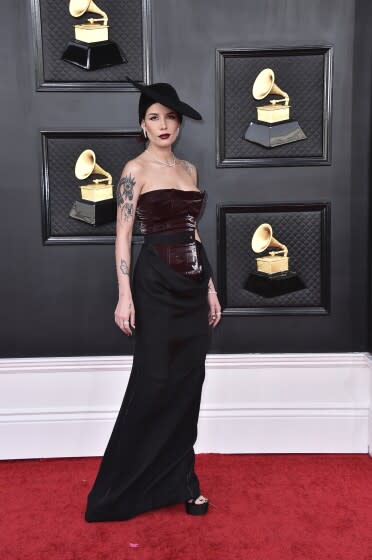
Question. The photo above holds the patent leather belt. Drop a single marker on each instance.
(170, 237)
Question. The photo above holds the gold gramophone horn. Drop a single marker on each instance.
(79, 7)
(263, 238)
(265, 84)
(86, 165)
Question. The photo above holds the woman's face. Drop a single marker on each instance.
(161, 124)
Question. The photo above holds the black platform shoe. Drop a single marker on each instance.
(196, 509)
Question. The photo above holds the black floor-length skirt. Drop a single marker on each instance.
(149, 460)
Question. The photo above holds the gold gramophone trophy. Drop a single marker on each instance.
(97, 205)
(273, 126)
(272, 277)
(91, 48)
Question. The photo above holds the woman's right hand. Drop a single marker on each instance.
(125, 314)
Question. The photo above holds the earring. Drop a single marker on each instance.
(144, 133)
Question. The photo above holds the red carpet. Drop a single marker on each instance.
(266, 507)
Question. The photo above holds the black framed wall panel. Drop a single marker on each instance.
(303, 228)
(60, 187)
(129, 28)
(305, 72)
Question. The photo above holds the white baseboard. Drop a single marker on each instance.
(251, 403)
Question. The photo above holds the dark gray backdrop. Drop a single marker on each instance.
(60, 300)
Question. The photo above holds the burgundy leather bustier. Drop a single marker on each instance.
(170, 211)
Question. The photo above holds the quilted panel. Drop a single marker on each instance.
(111, 154)
(301, 76)
(125, 21)
(301, 231)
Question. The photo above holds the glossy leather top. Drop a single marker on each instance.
(168, 210)
(173, 210)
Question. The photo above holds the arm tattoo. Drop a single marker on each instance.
(187, 167)
(124, 267)
(124, 193)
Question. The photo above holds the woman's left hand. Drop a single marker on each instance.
(214, 315)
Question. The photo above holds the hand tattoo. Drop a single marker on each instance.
(124, 267)
(124, 192)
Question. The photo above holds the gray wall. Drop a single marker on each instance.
(60, 300)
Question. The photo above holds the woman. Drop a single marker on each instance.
(149, 460)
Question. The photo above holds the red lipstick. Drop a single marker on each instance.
(164, 136)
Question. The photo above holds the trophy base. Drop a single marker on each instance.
(274, 134)
(93, 56)
(94, 213)
(272, 285)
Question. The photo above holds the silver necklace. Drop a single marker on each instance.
(164, 162)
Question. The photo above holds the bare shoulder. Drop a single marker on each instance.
(189, 168)
(134, 167)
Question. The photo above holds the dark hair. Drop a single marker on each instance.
(144, 103)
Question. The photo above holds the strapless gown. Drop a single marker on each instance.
(149, 460)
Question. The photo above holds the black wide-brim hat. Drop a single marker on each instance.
(166, 95)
